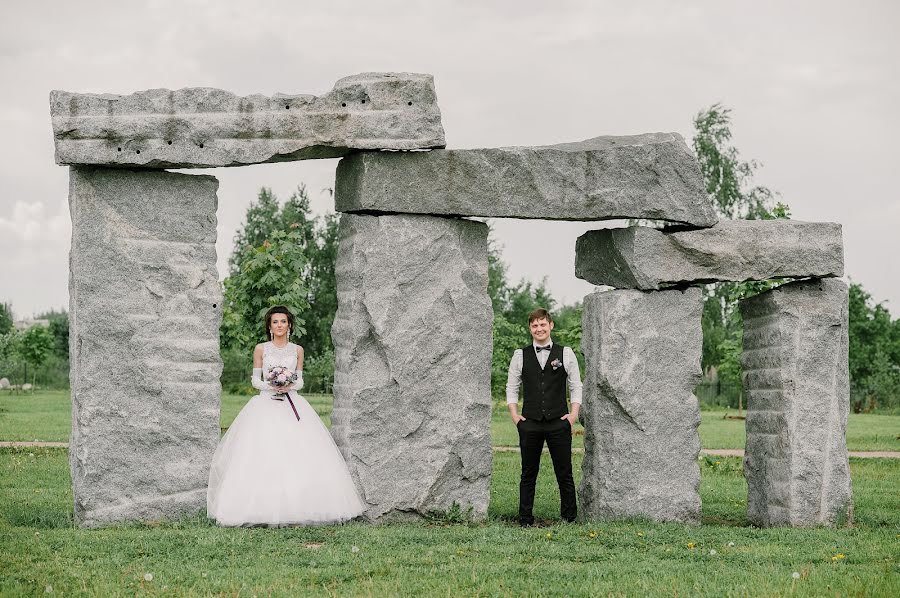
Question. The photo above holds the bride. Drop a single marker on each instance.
(277, 464)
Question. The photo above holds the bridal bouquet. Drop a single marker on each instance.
(279, 376)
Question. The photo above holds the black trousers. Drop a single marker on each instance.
(557, 433)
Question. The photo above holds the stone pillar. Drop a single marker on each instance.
(642, 362)
(145, 307)
(796, 381)
(412, 337)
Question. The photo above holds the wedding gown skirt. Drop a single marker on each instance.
(270, 469)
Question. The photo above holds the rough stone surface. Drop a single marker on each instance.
(642, 362)
(198, 127)
(796, 380)
(145, 307)
(639, 257)
(651, 176)
(412, 337)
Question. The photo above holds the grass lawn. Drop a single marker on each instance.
(39, 548)
(47, 415)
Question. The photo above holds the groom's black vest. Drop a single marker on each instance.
(544, 390)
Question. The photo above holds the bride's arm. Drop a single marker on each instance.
(256, 380)
(299, 370)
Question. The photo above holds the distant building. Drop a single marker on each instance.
(23, 325)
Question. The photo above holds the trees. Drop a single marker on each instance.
(35, 346)
(59, 330)
(282, 255)
(874, 353)
(733, 193)
(6, 318)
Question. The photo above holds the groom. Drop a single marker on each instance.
(543, 370)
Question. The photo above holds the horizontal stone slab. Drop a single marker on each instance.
(645, 258)
(204, 127)
(652, 176)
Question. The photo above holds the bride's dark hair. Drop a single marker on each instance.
(279, 309)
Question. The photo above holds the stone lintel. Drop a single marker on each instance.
(205, 127)
(733, 250)
(653, 176)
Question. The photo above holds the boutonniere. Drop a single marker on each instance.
(556, 364)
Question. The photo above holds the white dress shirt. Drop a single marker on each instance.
(570, 363)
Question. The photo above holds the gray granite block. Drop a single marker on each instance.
(202, 127)
(652, 176)
(412, 336)
(645, 258)
(145, 307)
(796, 380)
(642, 362)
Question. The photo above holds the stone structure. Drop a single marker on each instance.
(412, 335)
(732, 250)
(413, 328)
(642, 363)
(797, 386)
(199, 127)
(651, 176)
(145, 307)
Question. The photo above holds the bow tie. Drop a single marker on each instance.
(539, 349)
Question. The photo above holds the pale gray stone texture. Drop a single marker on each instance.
(145, 306)
(646, 258)
(200, 127)
(412, 336)
(642, 362)
(796, 380)
(651, 176)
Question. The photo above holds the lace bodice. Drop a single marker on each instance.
(273, 356)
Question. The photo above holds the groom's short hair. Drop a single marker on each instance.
(539, 314)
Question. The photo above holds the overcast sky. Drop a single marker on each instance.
(814, 89)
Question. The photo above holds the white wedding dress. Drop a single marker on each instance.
(270, 469)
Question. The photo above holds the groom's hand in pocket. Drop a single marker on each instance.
(573, 416)
(517, 418)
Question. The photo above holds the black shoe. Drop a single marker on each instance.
(526, 522)
(569, 520)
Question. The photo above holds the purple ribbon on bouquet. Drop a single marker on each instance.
(288, 396)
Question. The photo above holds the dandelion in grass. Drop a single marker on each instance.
(592, 535)
(795, 575)
(641, 534)
(838, 557)
(691, 545)
(712, 552)
(148, 577)
(549, 535)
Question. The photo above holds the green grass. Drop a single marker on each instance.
(40, 547)
(47, 415)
